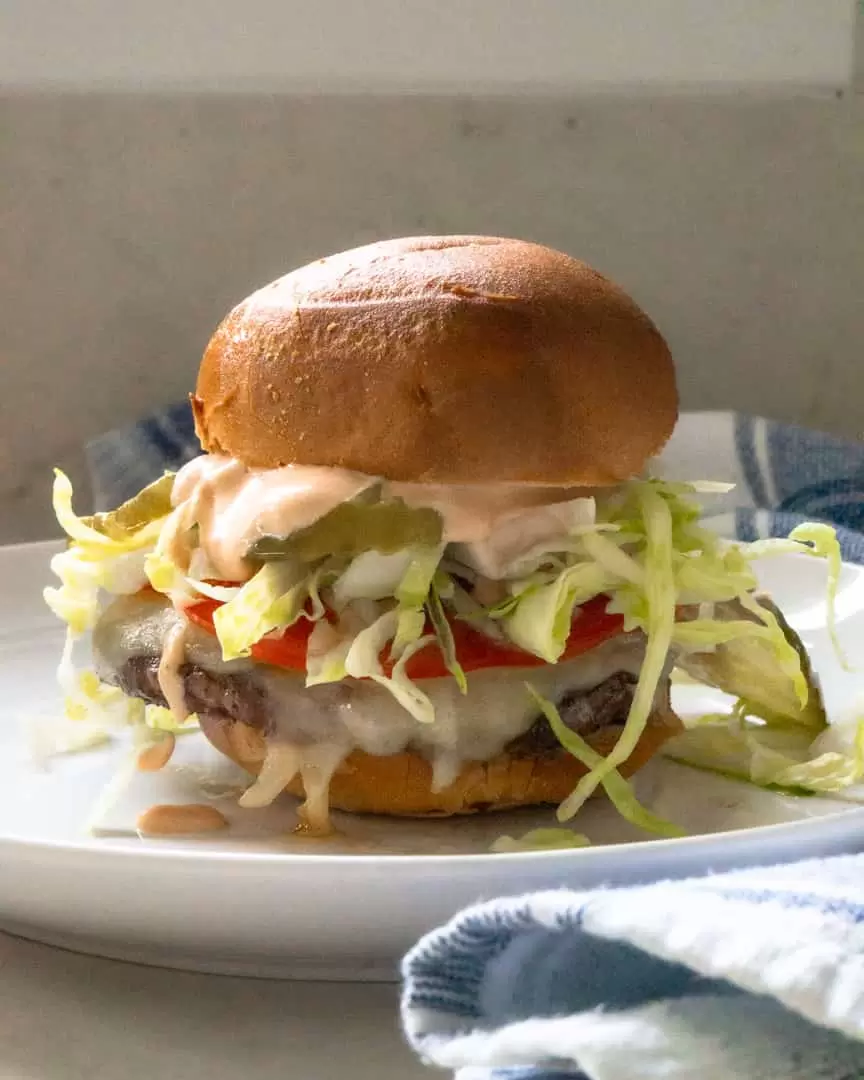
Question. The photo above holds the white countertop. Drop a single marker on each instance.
(69, 1017)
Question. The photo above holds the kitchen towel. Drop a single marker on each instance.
(750, 975)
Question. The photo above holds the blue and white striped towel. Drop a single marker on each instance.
(751, 975)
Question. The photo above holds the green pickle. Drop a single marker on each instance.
(151, 503)
(352, 528)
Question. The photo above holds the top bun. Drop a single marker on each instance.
(443, 359)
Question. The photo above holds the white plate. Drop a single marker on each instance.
(258, 901)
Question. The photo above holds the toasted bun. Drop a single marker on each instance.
(449, 359)
(401, 784)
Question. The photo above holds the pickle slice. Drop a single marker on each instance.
(151, 503)
(352, 528)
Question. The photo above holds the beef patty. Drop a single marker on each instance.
(239, 697)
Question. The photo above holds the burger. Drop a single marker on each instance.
(421, 567)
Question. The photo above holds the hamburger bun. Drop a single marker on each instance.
(400, 785)
(458, 360)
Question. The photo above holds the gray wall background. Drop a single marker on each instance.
(131, 223)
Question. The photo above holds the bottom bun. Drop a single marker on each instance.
(401, 784)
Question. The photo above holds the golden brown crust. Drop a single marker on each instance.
(441, 359)
(401, 784)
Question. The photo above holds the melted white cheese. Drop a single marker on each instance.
(358, 714)
(281, 764)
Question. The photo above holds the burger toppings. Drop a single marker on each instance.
(356, 714)
(353, 621)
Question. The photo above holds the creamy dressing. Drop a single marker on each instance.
(233, 506)
(283, 761)
(319, 764)
(473, 512)
(157, 755)
(181, 819)
(172, 659)
(521, 534)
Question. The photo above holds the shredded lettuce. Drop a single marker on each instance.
(326, 652)
(411, 594)
(410, 624)
(401, 629)
(78, 529)
(221, 593)
(274, 599)
(769, 755)
(93, 561)
(819, 540)
(444, 634)
(822, 542)
(541, 840)
(406, 692)
(158, 718)
(618, 789)
(615, 561)
(677, 583)
(704, 634)
(363, 662)
(363, 658)
(654, 604)
(87, 698)
(414, 586)
(540, 621)
(769, 671)
(371, 576)
(49, 736)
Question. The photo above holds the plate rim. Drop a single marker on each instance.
(121, 848)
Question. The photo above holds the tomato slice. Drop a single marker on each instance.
(591, 627)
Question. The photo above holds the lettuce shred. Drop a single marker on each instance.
(541, 840)
(444, 634)
(274, 599)
(158, 718)
(619, 790)
(93, 562)
(771, 755)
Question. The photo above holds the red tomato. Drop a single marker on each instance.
(591, 627)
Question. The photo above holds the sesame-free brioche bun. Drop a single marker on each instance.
(445, 359)
(400, 785)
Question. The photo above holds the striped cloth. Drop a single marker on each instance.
(752, 975)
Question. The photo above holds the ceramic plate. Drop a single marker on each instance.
(259, 901)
